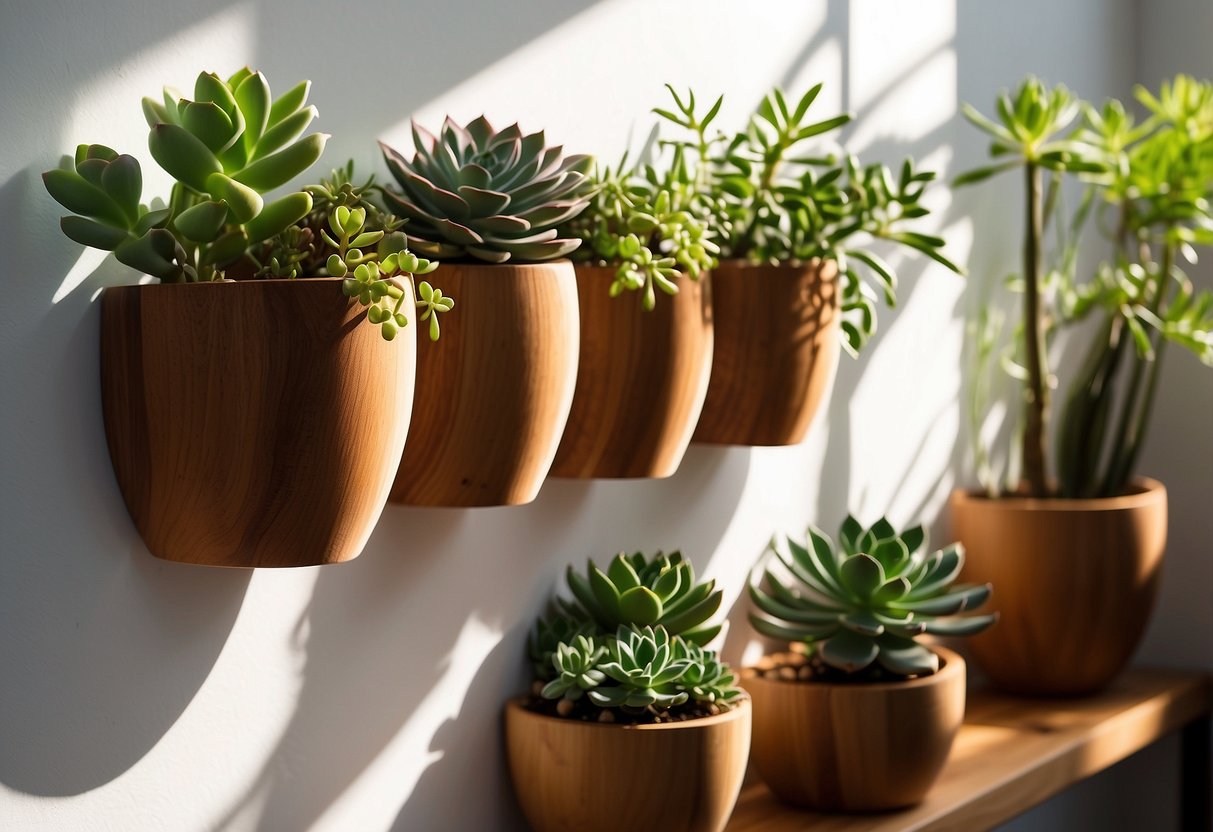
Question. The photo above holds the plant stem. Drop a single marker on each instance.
(1037, 393)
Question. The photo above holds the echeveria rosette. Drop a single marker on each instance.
(495, 196)
(645, 669)
(868, 600)
(577, 667)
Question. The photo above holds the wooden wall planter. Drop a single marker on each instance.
(590, 777)
(1074, 582)
(641, 380)
(494, 393)
(858, 747)
(775, 355)
(252, 423)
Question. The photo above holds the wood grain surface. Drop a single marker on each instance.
(1074, 583)
(641, 379)
(776, 350)
(857, 747)
(253, 423)
(1013, 754)
(494, 393)
(589, 777)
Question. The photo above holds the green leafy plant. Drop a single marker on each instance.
(475, 192)
(1146, 187)
(225, 148)
(772, 200)
(628, 645)
(859, 607)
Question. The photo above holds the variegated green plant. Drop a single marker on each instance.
(863, 603)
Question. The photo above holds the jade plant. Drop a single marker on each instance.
(473, 192)
(1145, 187)
(772, 198)
(857, 608)
(628, 645)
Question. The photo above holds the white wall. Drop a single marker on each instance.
(142, 695)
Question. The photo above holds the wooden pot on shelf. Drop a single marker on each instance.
(641, 379)
(595, 777)
(494, 393)
(776, 349)
(252, 423)
(861, 747)
(1075, 584)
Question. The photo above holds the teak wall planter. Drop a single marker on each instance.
(641, 379)
(494, 393)
(775, 354)
(672, 777)
(1075, 582)
(861, 747)
(252, 423)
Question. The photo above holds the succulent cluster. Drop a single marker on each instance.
(225, 148)
(859, 607)
(771, 201)
(476, 192)
(629, 644)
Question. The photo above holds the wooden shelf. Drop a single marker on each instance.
(1014, 753)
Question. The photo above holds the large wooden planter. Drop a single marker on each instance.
(590, 777)
(252, 423)
(1075, 582)
(775, 353)
(641, 380)
(494, 393)
(861, 747)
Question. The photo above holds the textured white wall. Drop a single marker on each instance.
(142, 695)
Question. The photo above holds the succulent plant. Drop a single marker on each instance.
(484, 194)
(558, 627)
(226, 147)
(639, 591)
(707, 678)
(578, 669)
(645, 669)
(866, 601)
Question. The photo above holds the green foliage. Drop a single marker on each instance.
(645, 671)
(578, 669)
(866, 601)
(773, 200)
(226, 147)
(475, 192)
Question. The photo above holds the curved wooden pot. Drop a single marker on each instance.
(1074, 581)
(590, 777)
(252, 423)
(641, 380)
(494, 393)
(775, 354)
(856, 747)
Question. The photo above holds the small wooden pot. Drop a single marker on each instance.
(641, 380)
(1074, 581)
(494, 393)
(252, 423)
(862, 747)
(590, 777)
(775, 353)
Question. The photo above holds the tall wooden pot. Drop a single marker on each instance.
(494, 393)
(861, 747)
(641, 380)
(776, 350)
(252, 423)
(591, 777)
(1075, 582)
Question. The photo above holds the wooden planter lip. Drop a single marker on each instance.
(953, 664)
(518, 705)
(744, 263)
(1145, 492)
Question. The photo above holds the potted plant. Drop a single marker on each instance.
(643, 369)
(492, 404)
(791, 231)
(861, 716)
(1076, 547)
(236, 435)
(628, 701)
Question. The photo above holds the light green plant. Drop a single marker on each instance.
(707, 679)
(475, 192)
(645, 671)
(863, 604)
(578, 669)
